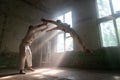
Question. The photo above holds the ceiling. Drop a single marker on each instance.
(46, 6)
(29, 10)
(49, 6)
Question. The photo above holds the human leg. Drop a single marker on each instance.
(29, 59)
(22, 58)
(22, 64)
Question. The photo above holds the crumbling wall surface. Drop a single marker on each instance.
(9, 60)
(15, 17)
(84, 23)
(103, 58)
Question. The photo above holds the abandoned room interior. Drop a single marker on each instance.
(89, 49)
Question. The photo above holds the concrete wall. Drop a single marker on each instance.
(104, 58)
(84, 21)
(19, 16)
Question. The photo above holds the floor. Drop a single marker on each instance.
(60, 74)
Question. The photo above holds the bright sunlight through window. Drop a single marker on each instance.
(109, 21)
(64, 40)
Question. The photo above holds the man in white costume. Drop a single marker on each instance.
(24, 48)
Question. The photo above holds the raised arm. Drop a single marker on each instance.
(56, 28)
(40, 27)
(49, 21)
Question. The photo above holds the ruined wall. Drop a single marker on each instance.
(84, 21)
(19, 16)
(104, 58)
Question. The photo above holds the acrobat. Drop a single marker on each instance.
(66, 28)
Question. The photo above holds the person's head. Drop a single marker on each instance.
(68, 25)
(44, 21)
(30, 27)
(58, 21)
(28, 42)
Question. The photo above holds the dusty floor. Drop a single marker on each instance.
(60, 74)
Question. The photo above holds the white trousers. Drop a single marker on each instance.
(28, 56)
(25, 56)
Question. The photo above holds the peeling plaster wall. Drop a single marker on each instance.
(19, 16)
(15, 30)
(1, 28)
(85, 24)
(84, 17)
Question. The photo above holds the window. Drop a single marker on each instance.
(118, 26)
(69, 44)
(103, 8)
(116, 6)
(109, 22)
(60, 42)
(64, 40)
(108, 34)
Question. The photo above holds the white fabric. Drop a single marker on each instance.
(28, 56)
(25, 56)
(25, 51)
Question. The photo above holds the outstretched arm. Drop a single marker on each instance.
(40, 27)
(49, 21)
(56, 28)
(44, 28)
(58, 24)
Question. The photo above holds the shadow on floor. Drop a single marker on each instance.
(11, 74)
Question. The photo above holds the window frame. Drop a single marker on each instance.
(113, 17)
(62, 32)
